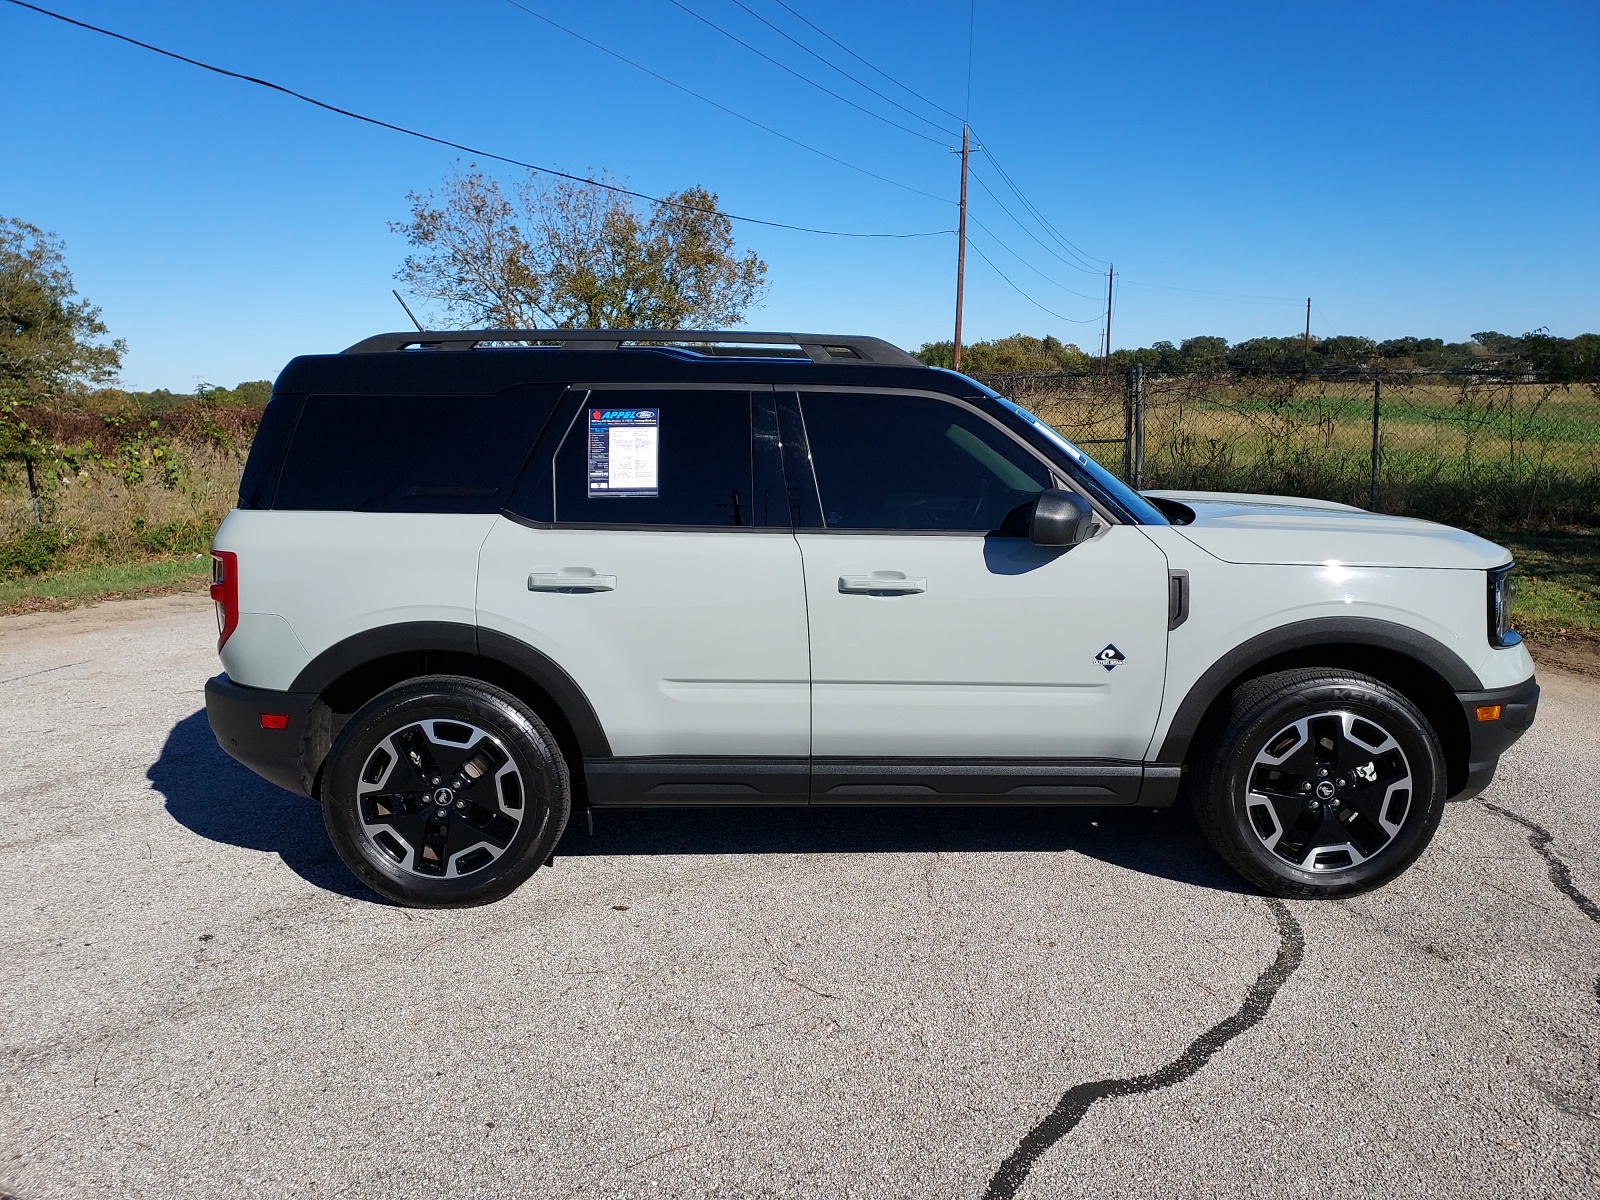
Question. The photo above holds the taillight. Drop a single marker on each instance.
(225, 591)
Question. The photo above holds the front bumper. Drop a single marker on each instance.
(1489, 739)
(277, 755)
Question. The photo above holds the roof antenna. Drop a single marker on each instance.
(409, 313)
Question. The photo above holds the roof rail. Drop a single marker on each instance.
(818, 347)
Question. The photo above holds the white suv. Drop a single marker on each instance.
(475, 579)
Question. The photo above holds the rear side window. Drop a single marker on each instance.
(444, 454)
(886, 461)
(663, 457)
(267, 449)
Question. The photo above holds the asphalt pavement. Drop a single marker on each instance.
(201, 1002)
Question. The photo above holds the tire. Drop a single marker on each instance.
(445, 792)
(1319, 783)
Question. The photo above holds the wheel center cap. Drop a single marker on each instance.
(1325, 790)
(444, 797)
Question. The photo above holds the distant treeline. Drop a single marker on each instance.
(1559, 360)
(253, 393)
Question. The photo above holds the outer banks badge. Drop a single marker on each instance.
(1111, 658)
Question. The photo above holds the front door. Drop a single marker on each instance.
(934, 640)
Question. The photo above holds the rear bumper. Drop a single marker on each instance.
(1488, 740)
(235, 713)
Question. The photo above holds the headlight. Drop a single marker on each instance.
(1502, 594)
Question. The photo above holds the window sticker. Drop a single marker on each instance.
(624, 446)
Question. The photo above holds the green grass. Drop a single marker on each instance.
(68, 589)
(1558, 580)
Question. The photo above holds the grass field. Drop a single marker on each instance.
(1470, 453)
(106, 581)
(1559, 579)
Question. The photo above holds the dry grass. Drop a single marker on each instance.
(1470, 454)
(97, 517)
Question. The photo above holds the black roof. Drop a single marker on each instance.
(490, 360)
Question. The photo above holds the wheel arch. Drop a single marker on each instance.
(349, 673)
(1419, 667)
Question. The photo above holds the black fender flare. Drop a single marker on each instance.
(456, 639)
(1361, 632)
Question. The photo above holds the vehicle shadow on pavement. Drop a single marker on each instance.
(1162, 843)
(211, 795)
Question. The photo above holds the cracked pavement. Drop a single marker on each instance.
(798, 1003)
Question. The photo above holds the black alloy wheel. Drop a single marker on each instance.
(445, 792)
(1321, 783)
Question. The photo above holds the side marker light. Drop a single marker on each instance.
(281, 720)
(1488, 712)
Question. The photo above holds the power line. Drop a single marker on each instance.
(637, 66)
(1058, 316)
(439, 141)
(1042, 244)
(1004, 246)
(870, 66)
(972, 21)
(1080, 265)
(832, 66)
(805, 79)
(1042, 219)
(1085, 259)
(1033, 209)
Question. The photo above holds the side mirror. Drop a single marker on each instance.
(1060, 518)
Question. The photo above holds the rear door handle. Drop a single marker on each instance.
(881, 583)
(574, 580)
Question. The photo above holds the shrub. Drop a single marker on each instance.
(32, 551)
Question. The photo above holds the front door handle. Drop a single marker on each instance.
(881, 583)
(572, 580)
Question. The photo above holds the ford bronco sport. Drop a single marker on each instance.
(476, 579)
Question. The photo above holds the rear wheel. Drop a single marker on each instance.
(1320, 784)
(445, 792)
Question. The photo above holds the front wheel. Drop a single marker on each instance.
(1321, 783)
(445, 792)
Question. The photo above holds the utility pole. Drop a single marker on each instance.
(1305, 344)
(961, 244)
(1111, 275)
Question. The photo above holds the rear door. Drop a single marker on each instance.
(649, 553)
(373, 515)
(934, 639)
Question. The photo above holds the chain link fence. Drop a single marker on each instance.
(1465, 448)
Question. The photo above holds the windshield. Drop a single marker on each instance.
(1113, 489)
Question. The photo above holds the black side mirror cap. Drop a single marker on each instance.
(1060, 518)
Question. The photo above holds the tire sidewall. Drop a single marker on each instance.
(546, 790)
(1369, 699)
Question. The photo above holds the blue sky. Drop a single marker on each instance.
(1417, 168)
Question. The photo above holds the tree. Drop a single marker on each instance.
(50, 338)
(576, 255)
(1019, 354)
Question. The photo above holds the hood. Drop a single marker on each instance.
(1240, 528)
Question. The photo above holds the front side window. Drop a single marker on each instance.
(661, 458)
(888, 461)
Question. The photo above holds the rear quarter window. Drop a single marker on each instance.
(262, 468)
(411, 453)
